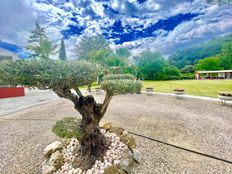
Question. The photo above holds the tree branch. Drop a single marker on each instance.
(78, 91)
(106, 103)
(65, 92)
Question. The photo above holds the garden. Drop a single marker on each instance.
(97, 105)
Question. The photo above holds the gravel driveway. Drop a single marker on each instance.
(194, 124)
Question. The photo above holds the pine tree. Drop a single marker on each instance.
(37, 34)
(62, 52)
(39, 45)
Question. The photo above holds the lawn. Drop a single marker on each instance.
(208, 88)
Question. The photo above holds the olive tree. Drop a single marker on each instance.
(63, 77)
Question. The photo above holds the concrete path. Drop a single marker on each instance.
(32, 98)
(37, 97)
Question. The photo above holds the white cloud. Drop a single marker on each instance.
(19, 18)
(16, 20)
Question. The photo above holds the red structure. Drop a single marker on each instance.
(6, 92)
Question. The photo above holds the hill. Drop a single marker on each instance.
(191, 55)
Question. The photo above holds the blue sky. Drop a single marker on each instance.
(158, 25)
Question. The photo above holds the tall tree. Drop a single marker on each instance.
(210, 63)
(123, 52)
(188, 69)
(226, 56)
(37, 34)
(39, 45)
(90, 44)
(150, 65)
(43, 49)
(62, 52)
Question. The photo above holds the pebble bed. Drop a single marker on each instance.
(112, 156)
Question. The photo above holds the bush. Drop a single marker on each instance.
(121, 86)
(118, 76)
(68, 128)
(187, 76)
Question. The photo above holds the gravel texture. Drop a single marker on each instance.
(198, 125)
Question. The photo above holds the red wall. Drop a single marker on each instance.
(12, 92)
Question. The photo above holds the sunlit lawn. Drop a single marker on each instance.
(208, 88)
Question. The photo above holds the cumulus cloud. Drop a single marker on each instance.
(16, 20)
(159, 25)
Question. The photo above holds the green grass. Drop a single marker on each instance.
(209, 88)
(93, 86)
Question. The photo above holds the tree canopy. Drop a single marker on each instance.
(120, 84)
(39, 45)
(48, 74)
(210, 63)
(226, 56)
(90, 44)
(62, 52)
(150, 64)
(191, 55)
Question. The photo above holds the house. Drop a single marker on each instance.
(217, 74)
(7, 90)
(5, 54)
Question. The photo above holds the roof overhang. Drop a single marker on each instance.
(216, 71)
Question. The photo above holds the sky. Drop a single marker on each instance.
(158, 25)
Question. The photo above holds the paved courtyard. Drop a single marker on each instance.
(32, 97)
(198, 125)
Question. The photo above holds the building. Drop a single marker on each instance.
(218, 74)
(7, 90)
(5, 54)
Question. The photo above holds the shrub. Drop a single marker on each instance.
(187, 76)
(121, 86)
(68, 128)
(119, 76)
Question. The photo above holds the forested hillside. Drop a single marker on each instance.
(191, 55)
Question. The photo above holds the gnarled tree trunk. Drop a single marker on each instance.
(93, 142)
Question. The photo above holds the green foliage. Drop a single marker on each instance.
(36, 34)
(96, 49)
(188, 69)
(114, 60)
(226, 56)
(90, 44)
(210, 63)
(120, 84)
(43, 49)
(39, 45)
(48, 73)
(118, 76)
(99, 56)
(171, 73)
(125, 86)
(62, 52)
(123, 52)
(191, 55)
(68, 128)
(150, 65)
(187, 76)
(106, 57)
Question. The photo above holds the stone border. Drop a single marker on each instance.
(119, 158)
